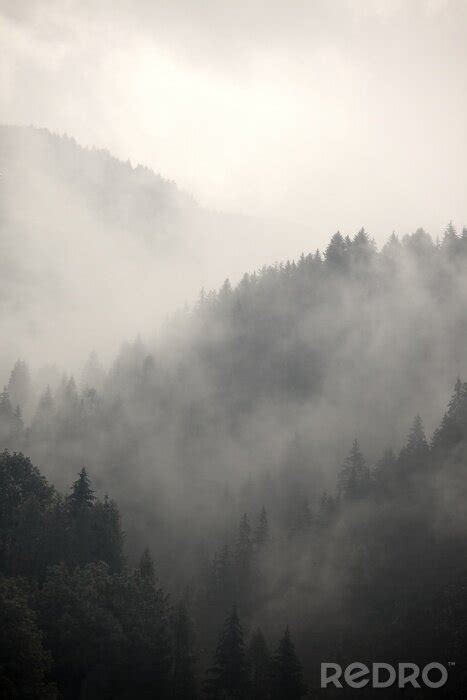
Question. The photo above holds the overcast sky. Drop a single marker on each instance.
(334, 114)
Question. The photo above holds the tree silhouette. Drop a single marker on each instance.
(82, 495)
(260, 667)
(183, 684)
(228, 677)
(287, 675)
(354, 477)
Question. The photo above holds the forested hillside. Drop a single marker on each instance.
(116, 192)
(91, 242)
(270, 450)
(376, 568)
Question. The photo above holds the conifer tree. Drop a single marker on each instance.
(42, 422)
(260, 667)
(450, 242)
(337, 252)
(183, 685)
(148, 628)
(11, 423)
(19, 386)
(416, 442)
(362, 247)
(453, 425)
(6, 409)
(82, 495)
(228, 677)
(415, 455)
(354, 478)
(108, 536)
(287, 675)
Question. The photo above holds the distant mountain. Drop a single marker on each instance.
(115, 192)
(94, 250)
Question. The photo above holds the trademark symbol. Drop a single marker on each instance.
(451, 663)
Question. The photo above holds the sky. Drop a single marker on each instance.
(332, 114)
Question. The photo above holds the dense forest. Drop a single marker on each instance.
(279, 501)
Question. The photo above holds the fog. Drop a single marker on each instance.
(328, 114)
(301, 120)
(272, 396)
(97, 251)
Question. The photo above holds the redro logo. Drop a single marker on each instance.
(382, 675)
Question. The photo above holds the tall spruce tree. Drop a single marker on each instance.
(183, 681)
(354, 477)
(415, 455)
(453, 428)
(82, 495)
(229, 677)
(416, 442)
(337, 252)
(260, 667)
(287, 674)
(19, 386)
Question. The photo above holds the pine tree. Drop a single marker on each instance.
(82, 495)
(43, 423)
(6, 409)
(149, 629)
(228, 678)
(19, 386)
(392, 245)
(463, 242)
(287, 675)
(453, 425)
(354, 478)
(260, 667)
(183, 684)
(416, 442)
(337, 252)
(362, 247)
(81, 512)
(415, 455)
(11, 423)
(108, 536)
(420, 244)
(450, 242)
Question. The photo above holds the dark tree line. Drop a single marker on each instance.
(78, 622)
(225, 446)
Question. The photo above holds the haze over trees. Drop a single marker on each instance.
(106, 246)
(287, 460)
(282, 452)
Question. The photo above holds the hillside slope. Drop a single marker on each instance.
(92, 247)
